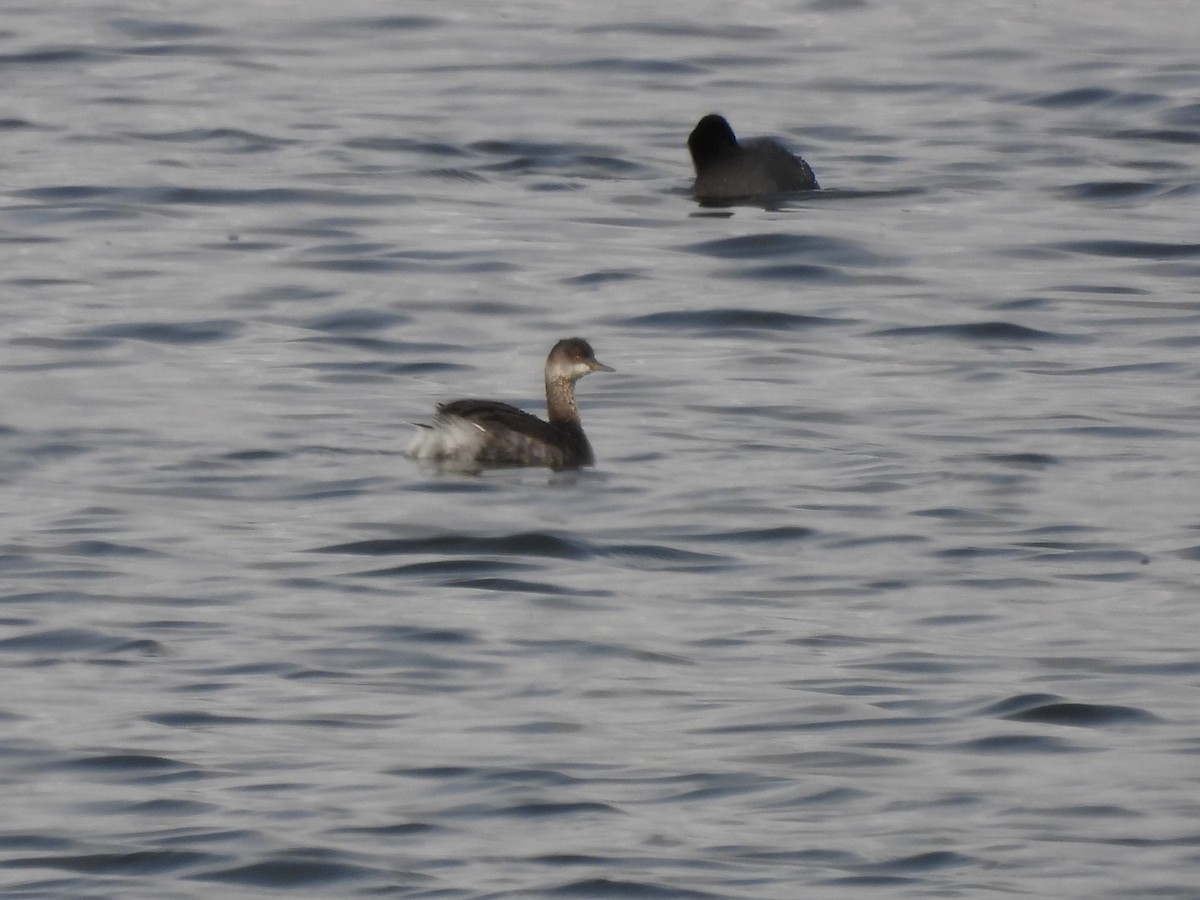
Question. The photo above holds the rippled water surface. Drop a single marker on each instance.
(885, 583)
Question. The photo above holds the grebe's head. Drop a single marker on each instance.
(571, 359)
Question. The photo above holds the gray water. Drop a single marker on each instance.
(885, 582)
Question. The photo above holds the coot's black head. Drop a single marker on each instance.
(571, 359)
(710, 140)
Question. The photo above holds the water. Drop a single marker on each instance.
(884, 584)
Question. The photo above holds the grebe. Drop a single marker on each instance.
(726, 169)
(478, 433)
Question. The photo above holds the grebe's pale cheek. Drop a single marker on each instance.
(578, 370)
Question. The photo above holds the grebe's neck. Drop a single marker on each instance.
(560, 401)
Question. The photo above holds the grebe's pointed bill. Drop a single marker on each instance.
(596, 366)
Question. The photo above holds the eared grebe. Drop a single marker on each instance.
(478, 433)
(726, 169)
